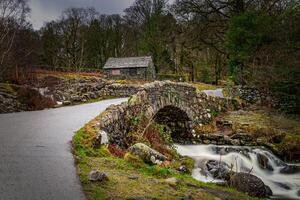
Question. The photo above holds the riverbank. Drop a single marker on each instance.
(134, 151)
(220, 163)
(255, 126)
(129, 177)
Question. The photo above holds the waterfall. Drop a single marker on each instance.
(256, 161)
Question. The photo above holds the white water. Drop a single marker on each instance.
(244, 159)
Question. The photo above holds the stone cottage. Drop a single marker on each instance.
(130, 68)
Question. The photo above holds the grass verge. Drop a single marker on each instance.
(130, 178)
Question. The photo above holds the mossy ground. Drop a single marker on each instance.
(130, 178)
(280, 132)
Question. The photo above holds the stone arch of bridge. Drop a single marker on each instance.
(177, 119)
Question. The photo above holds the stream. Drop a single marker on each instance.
(282, 180)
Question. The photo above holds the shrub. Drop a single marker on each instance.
(116, 150)
(34, 100)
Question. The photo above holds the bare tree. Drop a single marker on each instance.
(13, 15)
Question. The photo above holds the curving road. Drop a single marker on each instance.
(35, 154)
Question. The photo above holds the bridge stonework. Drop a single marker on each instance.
(155, 97)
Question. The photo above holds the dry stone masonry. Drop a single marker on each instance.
(157, 101)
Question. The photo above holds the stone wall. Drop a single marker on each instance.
(65, 91)
(247, 93)
(153, 97)
(253, 95)
(72, 91)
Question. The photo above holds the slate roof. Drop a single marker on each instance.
(129, 62)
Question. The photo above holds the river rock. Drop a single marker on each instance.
(97, 176)
(290, 169)
(147, 154)
(263, 162)
(218, 170)
(283, 185)
(249, 184)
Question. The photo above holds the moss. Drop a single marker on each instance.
(289, 147)
(206, 128)
(188, 162)
(132, 100)
(134, 160)
(123, 82)
(157, 171)
(99, 194)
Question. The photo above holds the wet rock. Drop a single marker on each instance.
(147, 154)
(263, 162)
(283, 185)
(268, 191)
(225, 150)
(97, 176)
(278, 138)
(218, 170)
(290, 169)
(249, 184)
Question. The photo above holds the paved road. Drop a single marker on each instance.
(35, 158)
(216, 92)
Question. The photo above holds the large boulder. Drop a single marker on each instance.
(147, 154)
(250, 184)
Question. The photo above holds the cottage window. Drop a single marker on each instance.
(133, 71)
(116, 72)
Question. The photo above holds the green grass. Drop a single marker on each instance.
(150, 182)
(202, 86)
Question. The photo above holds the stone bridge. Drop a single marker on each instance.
(178, 105)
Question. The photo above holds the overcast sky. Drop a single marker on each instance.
(47, 10)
